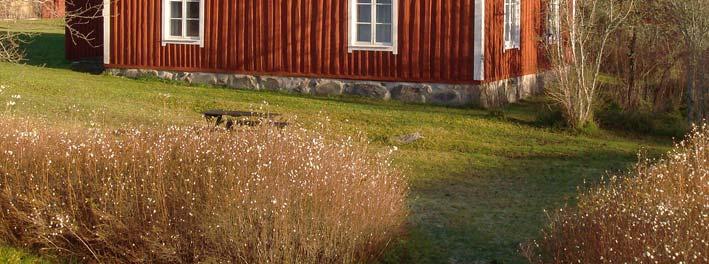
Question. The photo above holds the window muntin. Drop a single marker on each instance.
(183, 23)
(512, 24)
(373, 25)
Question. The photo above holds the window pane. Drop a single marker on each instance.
(364, 13)
(364, 1)
(364, 32)
(384, 2)
(192, 9)
(176, 9)
(383, 33)
(193, 28)
(384, 13)
(176, 27)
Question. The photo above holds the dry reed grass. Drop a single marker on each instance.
(659, 214)
(195, 194)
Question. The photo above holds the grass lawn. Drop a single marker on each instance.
(479, 183)
(11, 255)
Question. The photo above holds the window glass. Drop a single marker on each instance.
(193, 10)
(364, 13)
(384, 14)
(364, 32)
(175, 9)
(384, 33)
(193, 28)
(176, 27)
(184, 20)
(553, 21)
(512, 24)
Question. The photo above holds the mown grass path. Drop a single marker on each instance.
(479, 183)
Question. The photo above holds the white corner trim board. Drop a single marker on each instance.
(106, 31)
(479, 41)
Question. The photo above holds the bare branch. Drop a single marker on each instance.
(577, 58)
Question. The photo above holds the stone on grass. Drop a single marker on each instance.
(410, 138)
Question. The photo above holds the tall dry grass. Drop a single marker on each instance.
(191, 194)
(658, 214)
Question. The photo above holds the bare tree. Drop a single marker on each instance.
(688, 20)
(81, 13)
(10, 47)
(585, 28)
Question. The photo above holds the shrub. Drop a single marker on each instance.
(195, 194)
(671, 124)
(550, 116)
(657, 215)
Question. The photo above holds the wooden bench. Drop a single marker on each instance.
(244, 118)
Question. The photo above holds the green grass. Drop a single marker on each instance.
(479, 182)
(33, 25)
(11, 255)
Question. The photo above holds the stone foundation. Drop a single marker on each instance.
(488, 95)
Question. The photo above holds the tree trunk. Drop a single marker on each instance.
(631, 102)
(701, 76)
(689, 89)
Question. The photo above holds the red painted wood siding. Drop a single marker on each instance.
(309, 38)
(530, 57)
(300, 38)
(77, 48)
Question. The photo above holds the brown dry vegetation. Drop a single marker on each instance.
(196, 194)
(659, 214)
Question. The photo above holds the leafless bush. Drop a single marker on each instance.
(656, 215)
(80, 13)
(10, 46)
(585, 27)
(254, 195)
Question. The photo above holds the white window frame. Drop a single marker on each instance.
(184, 39)
(512, 21)
(373, 45)
(554, 21)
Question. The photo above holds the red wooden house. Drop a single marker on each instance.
(53, 9)
(453, 52)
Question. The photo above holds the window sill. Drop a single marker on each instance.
(165, 42)
(372, 48)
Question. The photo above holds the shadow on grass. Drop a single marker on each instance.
(46, 50)
(483, 214)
